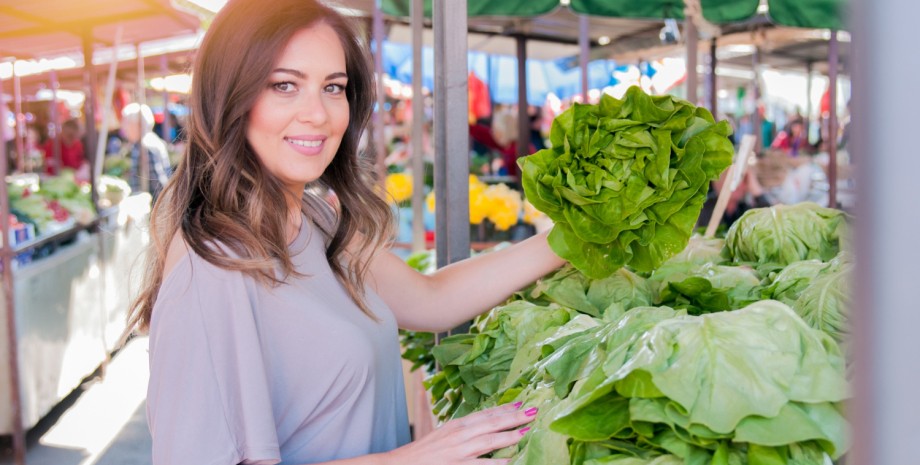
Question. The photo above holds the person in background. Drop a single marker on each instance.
(792, 140)
(272, 313)
(137, 130)
(72, 156)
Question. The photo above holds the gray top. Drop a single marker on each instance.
(292, 374)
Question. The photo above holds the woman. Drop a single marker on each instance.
(273, 316)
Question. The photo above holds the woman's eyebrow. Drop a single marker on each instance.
(290, 71)
(336, 76)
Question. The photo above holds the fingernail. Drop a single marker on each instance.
(530, 412)
(518, 404)
(524, 431)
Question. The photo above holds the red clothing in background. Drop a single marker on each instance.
(71, 155)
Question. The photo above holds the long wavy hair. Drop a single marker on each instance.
(221, 193)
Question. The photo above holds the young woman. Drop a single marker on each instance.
(272, 315)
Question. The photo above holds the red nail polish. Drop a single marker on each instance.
(530, 412)
(524, 431)
(518, 404)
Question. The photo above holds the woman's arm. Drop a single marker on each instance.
(457, 293)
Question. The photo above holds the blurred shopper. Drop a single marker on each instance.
(137, 130)
(72, 156)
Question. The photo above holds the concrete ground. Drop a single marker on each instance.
(103, 423)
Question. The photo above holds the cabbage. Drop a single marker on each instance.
(783, 234)
(788, 284)
(626, 179)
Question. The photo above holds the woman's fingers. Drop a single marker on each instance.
(491, 442)
(500, 421)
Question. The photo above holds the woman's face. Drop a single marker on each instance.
(297, 122)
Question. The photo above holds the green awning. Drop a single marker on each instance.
(818, 14)
(479, 7)
(728, 11)
(645, 9)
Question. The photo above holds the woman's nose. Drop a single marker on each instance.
(312, 110)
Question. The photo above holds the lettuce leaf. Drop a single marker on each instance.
(626, 179)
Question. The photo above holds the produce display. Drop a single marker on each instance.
(652, 346)
(625, 180)
(644, 368)
(55, 203)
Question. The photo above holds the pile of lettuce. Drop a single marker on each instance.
(625, 180)
(716, 357)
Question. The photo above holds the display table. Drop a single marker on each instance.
(70, 309)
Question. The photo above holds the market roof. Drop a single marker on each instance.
(42, 28)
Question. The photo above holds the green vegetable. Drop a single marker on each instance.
(626, 179)
(708, 288)
(570, 288)
(824, 303)
(782, 234)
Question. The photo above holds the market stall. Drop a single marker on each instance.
(70, 244)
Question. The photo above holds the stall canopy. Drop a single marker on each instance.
(43, 28)
(828, 14)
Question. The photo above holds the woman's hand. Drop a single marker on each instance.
(463, 440)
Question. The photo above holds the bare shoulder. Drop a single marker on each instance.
(177, 250)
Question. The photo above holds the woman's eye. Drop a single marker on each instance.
(335, 88)
(284, 87)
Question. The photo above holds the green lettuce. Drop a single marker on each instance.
(569, 287)
(626, 179)
(783, 234)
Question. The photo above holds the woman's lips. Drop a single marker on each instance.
(306, 145)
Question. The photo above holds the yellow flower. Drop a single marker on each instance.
(429, 201)
(531, 213)
(399, 187)
(504, 206)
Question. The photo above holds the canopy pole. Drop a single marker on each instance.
(692, 59)
(584, 47)
(98, 158)
(809, 107)
(89, 104)
(167, 123)
(379, 116)
(523, 143)
(20, 121)
(143, 158)
(452, 151)
(713, 85)
(9, 302)
(832, 62)
(55, 124)
(755, 118)
(418, 115)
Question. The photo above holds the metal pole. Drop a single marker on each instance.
(884, 413)
(91, 138)
(143, 156)
(167, 123)
(418, 115)
(584, 46)
(809, 67)
(379, 118)
(713, 80)
(755, 118)
(6, 260)
(692, 59)
(20, 121)
(56, 124)
(832, 60)
(523, 143)
(452, 151)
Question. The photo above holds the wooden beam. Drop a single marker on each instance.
(19, 14)
(77, 27)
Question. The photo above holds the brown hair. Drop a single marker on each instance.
(221, 193)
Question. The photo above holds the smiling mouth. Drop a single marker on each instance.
(305, 143)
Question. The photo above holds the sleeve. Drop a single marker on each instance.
(209, 400)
